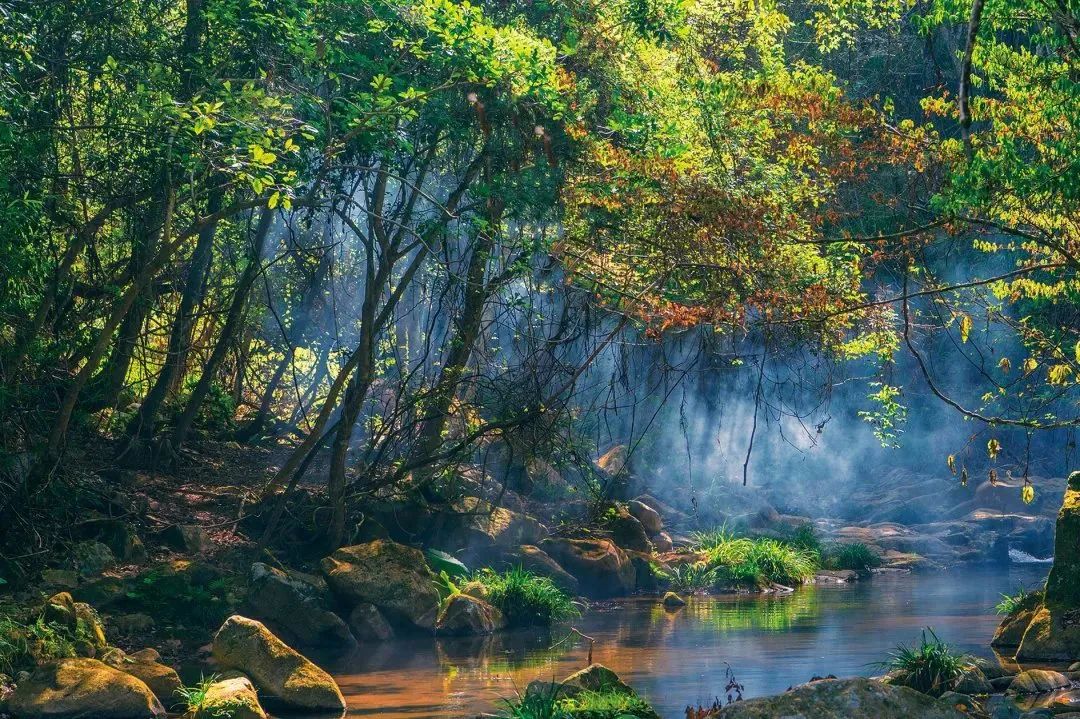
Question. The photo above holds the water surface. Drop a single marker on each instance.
(674, 658)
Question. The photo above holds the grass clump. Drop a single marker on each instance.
(931, 667)
(525, 598)
(549, 702)
(689, 578)
(26, 642)
(762, 560)
(856, 556)
(1022, 599)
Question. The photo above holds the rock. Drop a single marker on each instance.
(119, 536)
(848, 698)
(186, 538)
(538, 562)
(393, 577)
(249, 647)
(673, 600)
(127, 625)
(92, 557)
(662, 543)
(650, 519)
(961, 702)
(231, 696)
(628, 532)
(601, 568)
(296, 607)
(60, 578)
(101, 592)
(1053, 635)
(464, 614)
(82, 688)
(1074, 667)
(999, 707)
(368, 624)
(1038, 681)
(162, 680)
(1041, 713)
(479, 524)
(1011, 630)
(973, 682)
(80, 619)
(1001, 684)
(596, 678)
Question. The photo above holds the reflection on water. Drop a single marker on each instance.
(675, 658)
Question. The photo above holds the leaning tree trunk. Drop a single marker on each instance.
(228, 331)
(141, 427)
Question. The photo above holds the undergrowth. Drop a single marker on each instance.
(526, 598)
(745, 560)
(931, 667)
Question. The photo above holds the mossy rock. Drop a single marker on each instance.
(83, 688)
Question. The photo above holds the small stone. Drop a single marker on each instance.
(673, 600)
(90, 558)
(464, 614)
(186, 538)
(973, 682)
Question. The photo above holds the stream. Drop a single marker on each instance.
(674, 658)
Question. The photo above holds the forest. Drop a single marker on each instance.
(403, 357)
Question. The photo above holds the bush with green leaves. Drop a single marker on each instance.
(748, 561)
(856, 556)
(689, 578)
(526, 598)
(931, 667)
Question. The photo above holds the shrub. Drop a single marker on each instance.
(932, 667)
(755, 561)
(856, 556)
(525, 598)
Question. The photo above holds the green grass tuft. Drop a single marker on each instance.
(689, 578)
(856, 556)
(931, 667)
(525, 598)
(1022, 599)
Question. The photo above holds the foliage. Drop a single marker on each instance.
(1022, 599)
(690, 577)
(542, 703)
(931, 667)
(194, 699)
(525, 598)
(25, 644)
(851, 555)
(744, 560)
(606, 705)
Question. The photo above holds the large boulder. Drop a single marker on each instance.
(296, 607)
(249, 647)
(1011, 630)
(80, 619)
(596, 678)
(232, 696)
(628, 532)
(81, 689)
(393, 577)
(538, 562)
(1052, 635)
(650, 519)
(464, 614)
(601, 568)
(847, 698)
(476, 526)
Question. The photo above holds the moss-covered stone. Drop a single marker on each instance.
(276, 669)
(393, 577)
(848, 698)
(230, 697)
(78, 688)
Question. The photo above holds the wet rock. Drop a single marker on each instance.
(999, 707)
(186, 538)
(81, 688)
(162, 680)
(368, 624)
(464, 614)
(1038, 681)
(847, 698)
(1053, 635)
(127, 625)
(393, 577)
(1001, 684)
(601, 568)
(231, 696)
(1065, 702)
(540, 563)
(296, 607)
(973, 682)
(479, 525)
(276, 669)
(673, 600)
(1063, 584)
(650, 519)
